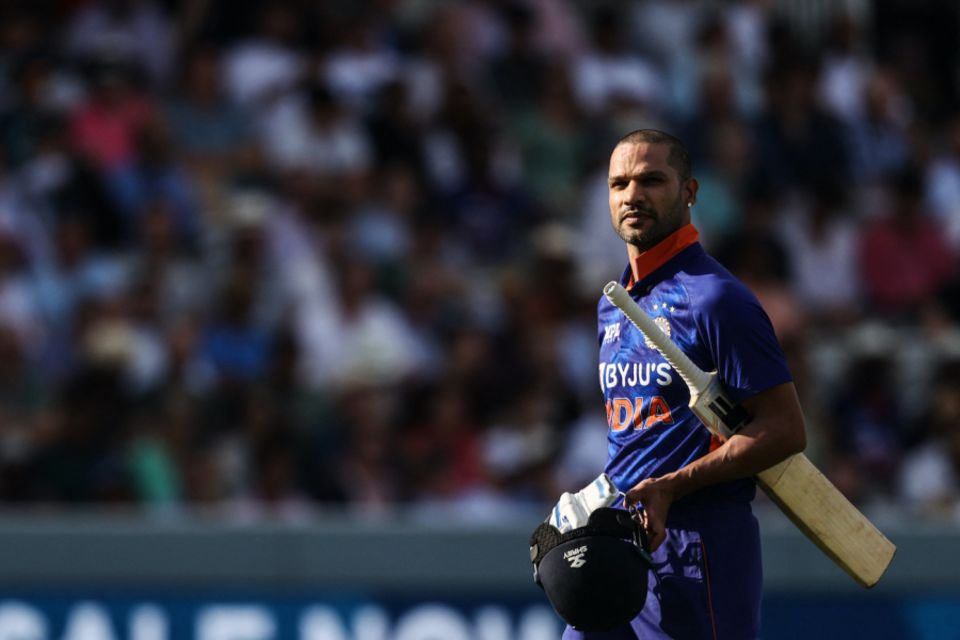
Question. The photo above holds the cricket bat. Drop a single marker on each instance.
(795, 485)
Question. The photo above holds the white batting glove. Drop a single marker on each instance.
(574, 509)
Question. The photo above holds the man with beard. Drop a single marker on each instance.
(694, 491)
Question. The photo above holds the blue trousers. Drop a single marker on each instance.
(705, 582)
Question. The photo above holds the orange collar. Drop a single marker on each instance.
(654, 257)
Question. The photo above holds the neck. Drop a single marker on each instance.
(643, 263)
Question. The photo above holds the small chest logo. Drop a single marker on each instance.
(611, 333)
(664, 324)
(576, 557)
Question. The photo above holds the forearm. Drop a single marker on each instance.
(745, 454)
(775, 433)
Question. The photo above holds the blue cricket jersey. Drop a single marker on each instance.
(719, 324)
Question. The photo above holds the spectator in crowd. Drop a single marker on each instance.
(929, 480)
(727, 169)
(517, 75)
(208, 131)
(612, 80)
(26, 419)
(552, 142)
(904, 258)
(154, 179)
(134, 30)
(317, 135)
(361, 63)
(31, 109)
(821, 241)
(365, 472)
(942, 180)
(104, 128)
(713, 54)
(798, 144)
(21, 313)
(867, 426)
(879, 144)
(441, 448)
(265, 64)
(846, 69)
(397, 130)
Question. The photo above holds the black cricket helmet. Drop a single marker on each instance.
(595, 576)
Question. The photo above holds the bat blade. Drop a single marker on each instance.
(795, 485)
(828, 519)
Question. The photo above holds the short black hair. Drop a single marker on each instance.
(679, 157)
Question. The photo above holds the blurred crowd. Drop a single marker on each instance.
(273, 258)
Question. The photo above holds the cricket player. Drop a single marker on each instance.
(695, 491)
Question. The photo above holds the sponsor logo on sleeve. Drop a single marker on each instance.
(611, 333)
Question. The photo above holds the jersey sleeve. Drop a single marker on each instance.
(739, 338)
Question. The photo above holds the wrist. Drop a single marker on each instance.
(676, 483)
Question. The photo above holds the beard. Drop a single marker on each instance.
(653, 225)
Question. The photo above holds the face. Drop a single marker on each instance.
(648, 201)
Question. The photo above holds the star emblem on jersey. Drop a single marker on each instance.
(576, 557)
(664, 325)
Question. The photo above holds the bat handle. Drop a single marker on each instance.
(695, 378)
